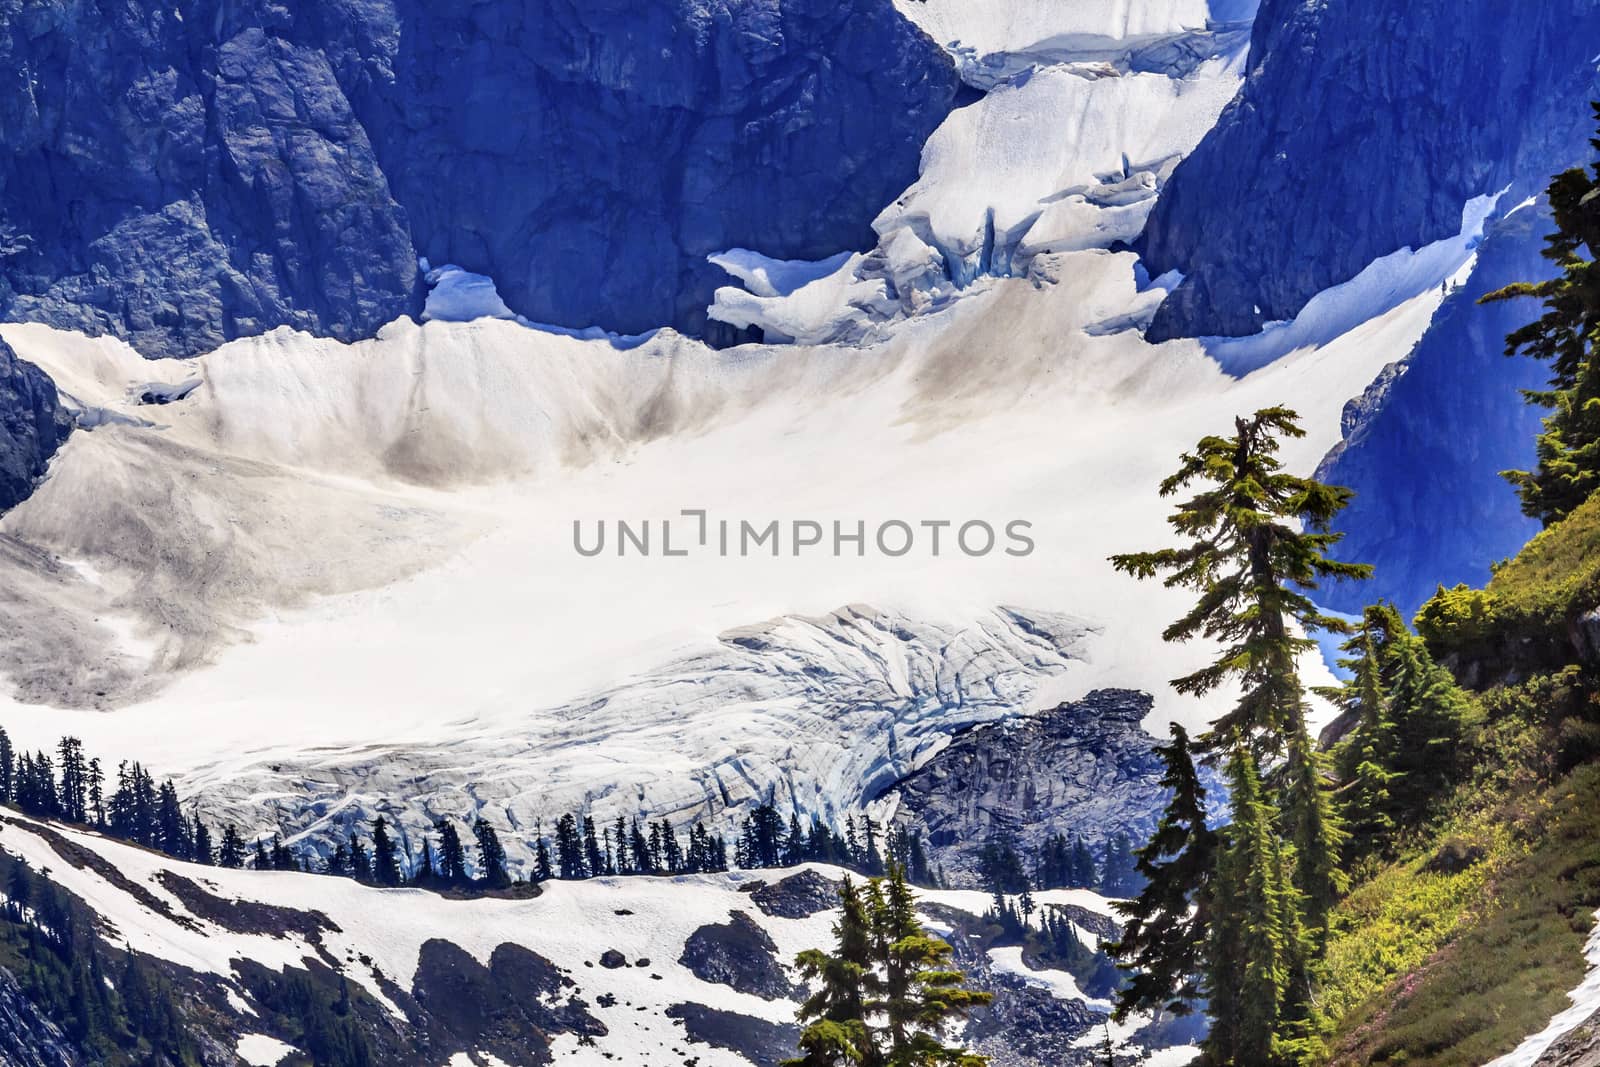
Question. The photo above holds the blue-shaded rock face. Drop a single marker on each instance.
(32, 425)
(1430, 506)
(183, 175)
(178, 180)
(1363, 127)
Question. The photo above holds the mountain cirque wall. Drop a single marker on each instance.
(32, 425)
(1085, 768)
(180, 176)
(1337, 152)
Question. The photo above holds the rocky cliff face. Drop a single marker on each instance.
(27, 1038)
(1086, 768)
(32, 425)
(1362, 128)
(1424, 453)
(183, 175)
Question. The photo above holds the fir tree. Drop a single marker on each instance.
(1365, 757)
(1166, 926)
(452, 856)
(541, 860)
(569, 849)
(385, 854)
(203, 852)
(835, 1014)
(231, 854)
(1567, 337)
(1253, 568)
(8, 760)
(887, 993)
(1248, 970)
(426, 871)
(360, 860)
(1317, 832)
(491, 855)
(922, 993)
(593, 860)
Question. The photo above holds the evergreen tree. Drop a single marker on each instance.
(426, 871)
(231, 854)
(1567, 337)
(1167, 925)
(97, 784)
(172, 829)
(541, 860)
(887, 993)
(8, 762)
(74, 796)
(385, 854)
(1119, 876)
(1365, 758)
(203, 852)
(1248, 969)
(1253, 566)
(491, 855)
(360, 860)
(593, 861)
(835, 1014)
(452, 856)
(1429, 711)
(569, 849)
(922, 993)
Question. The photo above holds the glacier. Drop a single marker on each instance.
(337, 577)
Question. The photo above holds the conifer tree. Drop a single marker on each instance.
(836, 1031)
(569, 849)
(1166, 926)
(491, 855)
(1317, 832)
(452, 856)
(231, 854)
(1253, 566)
(360, 860)
(887, 993)
(541, 861)
(593, 860)
(1429, 711)
(8, 760)
(385, 854)
(1366, 756)
(922, 993)
(427, 867)
(1248, 970)
(1567, 337)
(203, 852)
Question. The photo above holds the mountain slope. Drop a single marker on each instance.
(638, 970)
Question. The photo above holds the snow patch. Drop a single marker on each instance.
(1585, 1003)
(1382, 286)
(1061, 984)
(259, 1050)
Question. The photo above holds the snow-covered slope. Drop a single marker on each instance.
(365, 542)
(360, 563)
(628, 970)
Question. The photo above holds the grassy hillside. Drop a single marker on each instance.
(1468, 938)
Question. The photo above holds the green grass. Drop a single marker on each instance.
(1439, 970)
(1438, 962)
(1521, 618)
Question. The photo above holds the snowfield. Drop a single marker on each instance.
(375, 937)
(324, 579)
